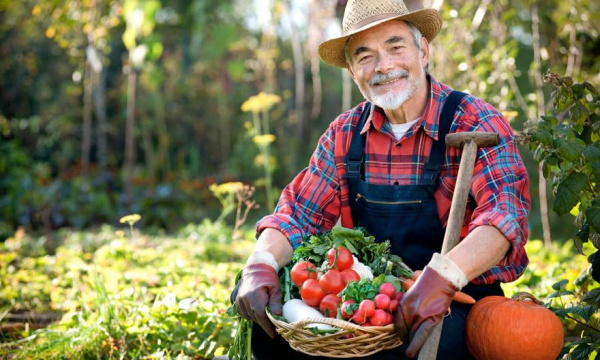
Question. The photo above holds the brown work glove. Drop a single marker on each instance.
(259, 287)
(422, 307)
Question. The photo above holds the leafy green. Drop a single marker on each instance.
(359, 291)
(367, 250)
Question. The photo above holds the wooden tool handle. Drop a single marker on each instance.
(453, 230)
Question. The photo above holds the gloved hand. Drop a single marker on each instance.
(422, 307)
(259, 287)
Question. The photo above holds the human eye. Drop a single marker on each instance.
(364, 58)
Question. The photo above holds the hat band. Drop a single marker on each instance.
(372, 19)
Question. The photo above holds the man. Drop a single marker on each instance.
(384, 165)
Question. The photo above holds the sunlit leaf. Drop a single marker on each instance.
(568, 192)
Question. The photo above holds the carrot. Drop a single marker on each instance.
(406, 283)
(416, 274)
(464, 298)
(459, 296)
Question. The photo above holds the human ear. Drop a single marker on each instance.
(424, 51)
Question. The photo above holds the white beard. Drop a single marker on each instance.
(391, 100)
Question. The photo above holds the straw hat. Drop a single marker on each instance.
(360, 15)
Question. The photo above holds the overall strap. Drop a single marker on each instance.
(354, 158)
(432, 169)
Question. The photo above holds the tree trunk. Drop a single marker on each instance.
(102, 121)
(540, 109)
(86, 136)
(300, 85)
(164, 139)
(149, 155)
(130, 136)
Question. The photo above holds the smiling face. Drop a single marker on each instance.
(386, 64)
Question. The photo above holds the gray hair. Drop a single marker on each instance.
(416, 35)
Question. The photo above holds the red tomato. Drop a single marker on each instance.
(329, 305)
(388, 289)
(332, 282)
(366, 307)
(303, 271)
(382, 301)
(340, 257)
(311, 293)
(381, 318)
(348, 308)
(350, 275)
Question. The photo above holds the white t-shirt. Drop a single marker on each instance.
(401, 129)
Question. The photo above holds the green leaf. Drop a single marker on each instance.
(571, 149)
(560, 285)
(563, 97)
(578, 242)
(540, 153)
(549, 121)
(592, 296)
(568, 192)
(590, 88)
(542, 136)
(595, 240)
(593, 217)
(578, 113)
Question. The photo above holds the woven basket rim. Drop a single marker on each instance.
(361, 341)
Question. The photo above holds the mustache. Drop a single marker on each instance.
(377, 78)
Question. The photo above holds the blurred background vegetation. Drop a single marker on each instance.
(109, 107)
(195, 114)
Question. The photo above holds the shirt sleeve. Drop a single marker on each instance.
(310, 204)
(500, 186)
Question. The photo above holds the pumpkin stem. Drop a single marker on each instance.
(525, 296)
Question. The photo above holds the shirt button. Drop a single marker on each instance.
(398, 145)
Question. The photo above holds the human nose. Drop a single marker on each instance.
(384, 63)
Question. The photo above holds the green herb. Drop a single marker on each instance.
(242, 342)
(359, 291)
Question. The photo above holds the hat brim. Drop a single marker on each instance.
(428, 21)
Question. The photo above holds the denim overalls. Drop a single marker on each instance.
(407, 216)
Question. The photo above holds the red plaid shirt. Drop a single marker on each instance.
(317, 197)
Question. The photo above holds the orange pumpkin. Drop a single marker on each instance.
(499, 328)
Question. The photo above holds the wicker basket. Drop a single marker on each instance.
(349, 341)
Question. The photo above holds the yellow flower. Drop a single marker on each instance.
(265, 139)
(50, 32)
(509, 115)
(259, 160)
(260, 102)
(130, 219)
(226, 188)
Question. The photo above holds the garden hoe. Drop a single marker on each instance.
(470, 142)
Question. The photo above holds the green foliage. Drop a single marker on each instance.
(569, 150)
(123, 297)
(568, 146)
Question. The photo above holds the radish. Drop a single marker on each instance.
(393, 305)
(388, 289)
(296, 310)
(382, 301)
(381, 318)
